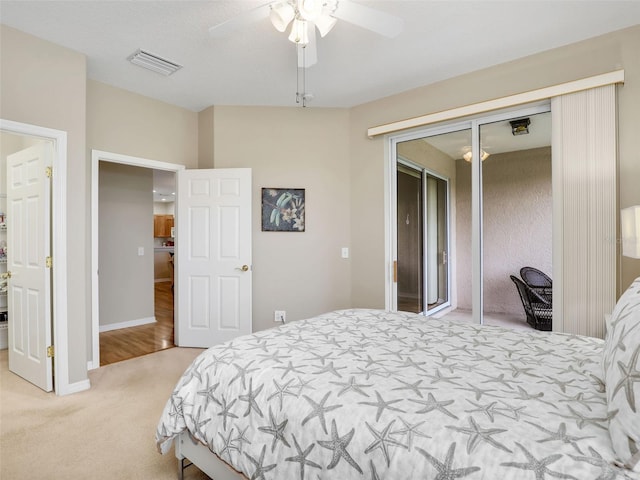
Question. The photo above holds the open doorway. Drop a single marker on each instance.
(136, 236)
(132, 315)
(56, 336)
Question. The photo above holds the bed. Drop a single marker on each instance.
(380, 395)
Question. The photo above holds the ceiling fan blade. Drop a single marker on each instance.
(365, 17)
(308, 55)
(239, 21)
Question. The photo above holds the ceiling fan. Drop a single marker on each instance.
(308, 16)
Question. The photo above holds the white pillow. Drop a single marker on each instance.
(621, 366)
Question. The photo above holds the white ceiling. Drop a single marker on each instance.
(257, 65)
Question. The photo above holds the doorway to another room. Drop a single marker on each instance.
(39, 156)
(126, 221)
(135, 233)
(155, 333)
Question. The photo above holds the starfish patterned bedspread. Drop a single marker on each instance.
(368, 394)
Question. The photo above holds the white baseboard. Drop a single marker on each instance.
(75, 387)
(131, 323)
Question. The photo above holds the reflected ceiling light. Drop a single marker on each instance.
(468, 156)
(520, 127)
(630, 231)
(299, 13)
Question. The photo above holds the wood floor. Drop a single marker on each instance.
(125, 343)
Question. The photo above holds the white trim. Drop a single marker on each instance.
(96, 157)
(59, 246)
(76, 387)
(390, 225)
(477, 265)
(128, 324)
(557, 146)
(616, 76)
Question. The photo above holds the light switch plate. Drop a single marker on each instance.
(140, 251)
(345, 252)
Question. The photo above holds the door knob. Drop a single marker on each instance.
(5, 275)
(244, 268)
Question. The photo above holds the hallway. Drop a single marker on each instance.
(125, 343)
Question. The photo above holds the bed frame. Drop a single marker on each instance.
(191, 453)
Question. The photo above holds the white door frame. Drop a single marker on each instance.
(96, 157)
(58, 249)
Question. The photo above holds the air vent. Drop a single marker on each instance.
(153, 62)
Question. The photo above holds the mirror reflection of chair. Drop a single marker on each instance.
(538, 281)
(538, 309)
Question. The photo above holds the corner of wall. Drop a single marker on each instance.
(206, 138)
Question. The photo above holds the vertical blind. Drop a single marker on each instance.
(584, 198)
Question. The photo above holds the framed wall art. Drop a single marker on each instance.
(283, 210)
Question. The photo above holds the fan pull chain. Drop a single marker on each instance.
(302, 97)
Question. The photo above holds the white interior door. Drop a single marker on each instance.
(28, 227)
(213, 256)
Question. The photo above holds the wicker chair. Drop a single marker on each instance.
(538, 309)
(538, 281)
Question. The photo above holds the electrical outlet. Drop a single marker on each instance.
(279, 316)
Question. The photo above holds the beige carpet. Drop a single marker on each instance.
(106, 432)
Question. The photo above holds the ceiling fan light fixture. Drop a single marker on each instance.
(299, 32)
(325, 23)
(281, 15)
(310, 9)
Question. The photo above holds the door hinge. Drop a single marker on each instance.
(48, 171)
(48, 262)
(50, 351)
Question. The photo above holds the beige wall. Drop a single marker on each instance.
(517, 213)
(130, 124)
(127, 123)
(301, 273)
(205, 138)
(572, 62)
(44, 84)
(125, 224)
